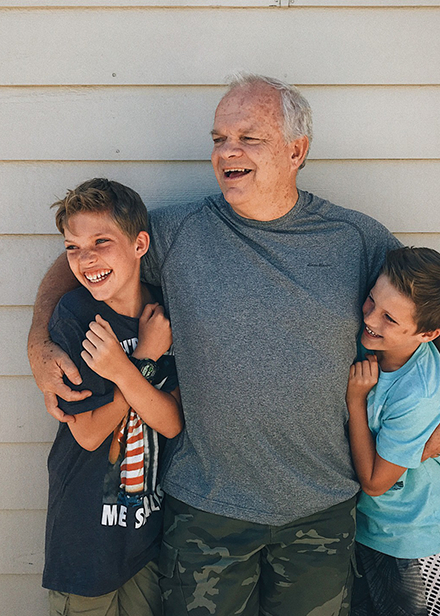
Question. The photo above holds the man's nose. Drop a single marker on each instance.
(230, 148)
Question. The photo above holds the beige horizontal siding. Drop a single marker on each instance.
(367, 46)
(22, 543)
(217, 3)
(23, 418)
(28, 462)
(428, 240)
(14, 325)
(22, 595)
(34, 254)
(143, 123)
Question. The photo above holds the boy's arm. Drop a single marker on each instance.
(103, 354)
(48, 361)
(375, 474)
(90, 429)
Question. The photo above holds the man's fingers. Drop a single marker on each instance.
(70, 395)
(67, 366)
(50, 400)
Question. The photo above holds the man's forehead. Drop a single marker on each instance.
(250, 106)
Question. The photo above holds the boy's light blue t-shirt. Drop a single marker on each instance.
(403, 411)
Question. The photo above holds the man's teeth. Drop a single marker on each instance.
(371, 332)
(98, 276)
(228, 172)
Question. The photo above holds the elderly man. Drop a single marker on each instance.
(263, 285)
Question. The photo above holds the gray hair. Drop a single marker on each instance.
(296, 111)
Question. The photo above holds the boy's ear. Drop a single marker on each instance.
(142, 243)
(429, 336)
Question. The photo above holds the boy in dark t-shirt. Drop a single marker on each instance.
(104, 512)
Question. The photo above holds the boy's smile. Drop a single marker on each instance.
(105, 260)
(389, 325)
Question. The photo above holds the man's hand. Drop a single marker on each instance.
(48, 363)
(432, 447)
(155, 337)
(362, 378)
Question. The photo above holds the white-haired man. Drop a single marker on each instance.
(263, 285)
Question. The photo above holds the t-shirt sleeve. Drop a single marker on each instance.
(381, 242)
(68, 334)
(405, 429)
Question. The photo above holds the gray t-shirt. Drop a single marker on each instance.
(265, 317)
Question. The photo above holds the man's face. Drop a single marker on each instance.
(255, 168)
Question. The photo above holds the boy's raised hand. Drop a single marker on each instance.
(362, 378)
(102, 350)
(155, 337)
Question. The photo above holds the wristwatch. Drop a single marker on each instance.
(147, 367)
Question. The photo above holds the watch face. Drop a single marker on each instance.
(148, 369)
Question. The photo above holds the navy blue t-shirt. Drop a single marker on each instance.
(100, 531)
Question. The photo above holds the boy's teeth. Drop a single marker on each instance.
(371, 332)
(98, 276)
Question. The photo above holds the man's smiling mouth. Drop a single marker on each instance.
(98, 276)
(236, 173)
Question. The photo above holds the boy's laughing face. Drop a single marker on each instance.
(389, 323)
(104, 259)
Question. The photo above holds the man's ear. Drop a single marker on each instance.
(299, 149)
(429, 336)
(142, 243)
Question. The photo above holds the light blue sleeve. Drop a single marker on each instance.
(407, 424)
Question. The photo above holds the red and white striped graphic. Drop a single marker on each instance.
(132, 467)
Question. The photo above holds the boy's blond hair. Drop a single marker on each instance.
(123, 204)
(415, 272)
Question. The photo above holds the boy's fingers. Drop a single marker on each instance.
(104, 324)
(89, 347)
(148, 311)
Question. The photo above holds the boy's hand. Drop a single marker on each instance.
(432, 447)
(48, 363)
(155, 336)
(102, 350)
(362, 378)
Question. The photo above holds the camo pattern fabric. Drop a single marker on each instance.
(217, 566)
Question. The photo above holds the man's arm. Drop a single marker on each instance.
(48, 362)
(375, 474)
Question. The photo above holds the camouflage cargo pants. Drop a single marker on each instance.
(213, 565)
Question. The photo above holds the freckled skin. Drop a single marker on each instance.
(247, 133)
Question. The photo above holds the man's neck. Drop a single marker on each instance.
(267, 211)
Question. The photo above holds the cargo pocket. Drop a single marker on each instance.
(170, 582)
(167, 560)
(58, 603)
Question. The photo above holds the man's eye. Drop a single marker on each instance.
(218, 139)
(250, 139)
(102, 240)
(388, 318)
(70, 247)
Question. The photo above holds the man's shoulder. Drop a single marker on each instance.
(326, 209)
(173, 215)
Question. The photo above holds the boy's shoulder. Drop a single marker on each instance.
(76, 305)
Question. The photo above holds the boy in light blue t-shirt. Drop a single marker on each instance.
(393, 399)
